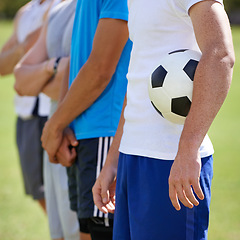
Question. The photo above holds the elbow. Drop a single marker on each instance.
(231, 59)
(104, 73)
(5, 70)
(104, 77)
(225, 56)
(18, 89)
(20, 85)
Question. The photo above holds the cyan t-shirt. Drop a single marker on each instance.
(101, 119)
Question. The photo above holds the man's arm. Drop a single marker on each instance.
(12, 50)
(66, 153)
(104, 187)
(34, 63)
(211, 85)
(53, 87)
(110, 38)
(10, 57)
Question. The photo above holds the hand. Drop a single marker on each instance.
(51, 139)
(63, 64)
(184, 179)
(66, 153)
(104, 190)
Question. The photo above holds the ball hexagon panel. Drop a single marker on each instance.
(177, 84)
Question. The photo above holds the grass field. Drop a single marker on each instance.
(21, 218)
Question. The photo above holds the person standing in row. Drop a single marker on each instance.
(97, 86)
(32, 112)
(164, 170)
(49, 59)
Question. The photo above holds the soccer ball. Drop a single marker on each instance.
(171, 84)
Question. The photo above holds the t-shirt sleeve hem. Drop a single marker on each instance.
(117, 15)
(191, 3)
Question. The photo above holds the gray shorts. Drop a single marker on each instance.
(31, 155)
(63, 222)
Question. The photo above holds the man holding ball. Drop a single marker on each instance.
(164, 170)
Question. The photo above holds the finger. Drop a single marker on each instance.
(112, 198)
(97, 198)
(198, 190)
(104, 194)
(110, 207)
(182, 196)
(112, 190)
(65, 155)
(72, 139)
(73, 154)
(173, 197)
(190, 195)
(53, 159)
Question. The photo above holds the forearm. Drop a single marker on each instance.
(30, 79)
(9, 58)
(31, 39)
(211, 85)
(59, 83)
(85, 89)
(64, 84)
(113, 153)
(52, 88)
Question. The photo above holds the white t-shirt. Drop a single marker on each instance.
(156, 28)
(30, 20)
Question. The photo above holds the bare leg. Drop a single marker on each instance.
(85, 236)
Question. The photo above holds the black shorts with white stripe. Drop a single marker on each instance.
(91, 156)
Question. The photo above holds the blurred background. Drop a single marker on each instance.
(8, 8)
(21, 217)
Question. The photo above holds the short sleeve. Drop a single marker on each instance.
(187, 4)
(114, 9)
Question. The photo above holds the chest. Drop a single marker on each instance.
(156, 17)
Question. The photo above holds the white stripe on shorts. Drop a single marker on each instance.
(103, 146)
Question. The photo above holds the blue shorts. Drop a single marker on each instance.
(143, 207)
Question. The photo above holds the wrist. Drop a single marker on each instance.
(57, 121)
(55, 66)
(189, 146)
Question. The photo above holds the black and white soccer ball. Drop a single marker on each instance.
(171, 84)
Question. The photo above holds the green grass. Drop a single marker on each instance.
(22, 218)
(225, 207)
